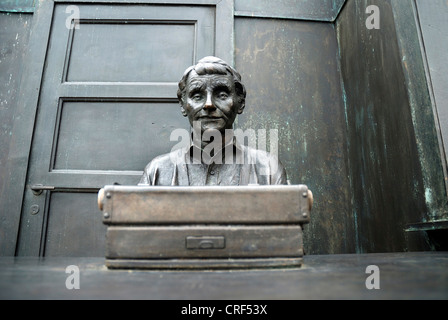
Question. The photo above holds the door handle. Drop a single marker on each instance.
(213, 242)
(39, 188)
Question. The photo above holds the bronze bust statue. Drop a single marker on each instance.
(211, 96)
(175, 220)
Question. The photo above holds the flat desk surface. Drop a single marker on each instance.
(422, 275)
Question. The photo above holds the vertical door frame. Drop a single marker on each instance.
(22, 132)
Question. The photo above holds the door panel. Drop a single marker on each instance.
(73, 227)
(116, 140)
(130, 51)
(107, 106)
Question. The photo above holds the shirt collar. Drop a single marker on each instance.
(195, 150)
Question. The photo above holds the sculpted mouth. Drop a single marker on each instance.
(212, 116)
(209, 118)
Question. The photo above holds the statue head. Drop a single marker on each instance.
(211, 93)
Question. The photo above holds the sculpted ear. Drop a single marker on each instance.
(241, 96)
(241, 107)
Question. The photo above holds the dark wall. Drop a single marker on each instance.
(433, 21)
(423, 79)
(385, 169)
(316, 10)
(14, 31)
(290, 69)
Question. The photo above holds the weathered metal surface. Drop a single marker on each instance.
(169, 242)
(434, 231)
(385, 171)
(76, 226)
(21, 6)
(423, 108)
(316, 10)
(408, 275)
(420, 46)
(14, 35)
(204, 264)
(290, 69)
(198, 205)
(428, 226)
(433, 21)
(165, 225)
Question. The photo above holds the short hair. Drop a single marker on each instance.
(212, 65)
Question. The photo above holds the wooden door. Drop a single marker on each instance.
(107, 105)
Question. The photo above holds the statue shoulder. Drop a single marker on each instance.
(167, 160)
(268, 166)
(160, 170)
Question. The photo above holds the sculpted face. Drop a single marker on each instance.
(211, 99)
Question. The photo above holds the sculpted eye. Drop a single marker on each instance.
(223, 95)
(197, 97)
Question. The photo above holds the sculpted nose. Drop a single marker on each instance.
(209, 103)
